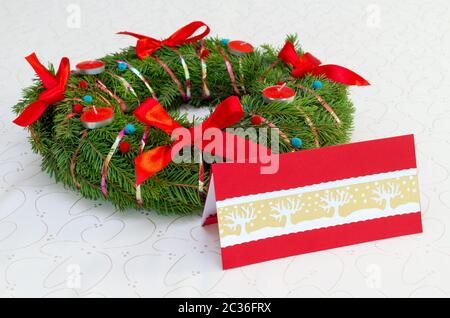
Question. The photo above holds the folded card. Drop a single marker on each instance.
(318, 199)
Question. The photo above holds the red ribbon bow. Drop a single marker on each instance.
(307, 63)
(146, 45)
(55, 87)
(227, 113)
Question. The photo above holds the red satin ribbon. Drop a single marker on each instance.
(307, 63)
(55, 87)
(146, 45)
(226, 114)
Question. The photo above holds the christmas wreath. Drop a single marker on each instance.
(104, 128)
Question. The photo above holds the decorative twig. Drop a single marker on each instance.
(229, 69)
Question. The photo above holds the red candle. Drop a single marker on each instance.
(278, 93)
(90, 67)
(239, 48)
(97, 117)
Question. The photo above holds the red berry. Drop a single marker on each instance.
(77, 108)
(82, 84)
(205, 53)
(256, 120)
(280, 83)
(124, 147)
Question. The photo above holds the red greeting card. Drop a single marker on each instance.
(317, 199)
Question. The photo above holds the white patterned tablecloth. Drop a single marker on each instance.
(54, 243)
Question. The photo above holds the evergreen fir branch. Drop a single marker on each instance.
(174, 190)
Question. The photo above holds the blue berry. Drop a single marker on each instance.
(121, 66)
(87, 99)
(130, 129)
(296, 142)
(224, 42)
(317, 84)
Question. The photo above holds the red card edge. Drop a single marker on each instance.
(320, 239)
(407, 138)
(369, 156)
(212, 219)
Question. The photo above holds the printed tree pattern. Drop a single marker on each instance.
(241, 219)
(286, 209)
(386, 193)
(373, 197)
(333, 202)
